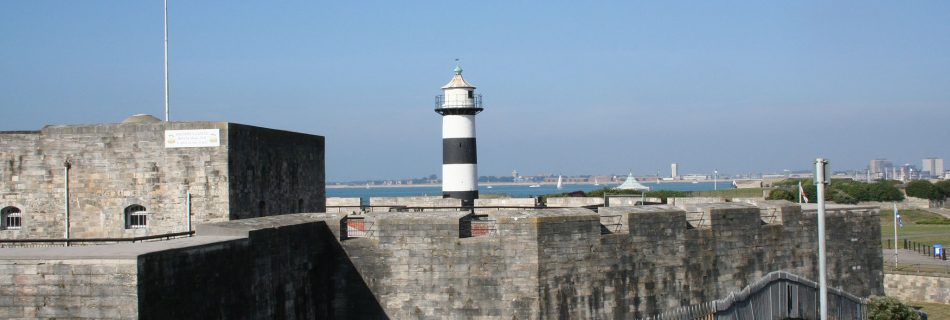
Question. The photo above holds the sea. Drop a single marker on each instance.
(515, 191)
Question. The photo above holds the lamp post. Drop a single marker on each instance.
(66, 166)
(715, 179)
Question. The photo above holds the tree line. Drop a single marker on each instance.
(848, 191)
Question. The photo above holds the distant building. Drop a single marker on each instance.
(879, 166)
(696, 177)
(137, 178)
(933, 167)
(674, 170)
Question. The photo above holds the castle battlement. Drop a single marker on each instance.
(646, 258)
(618, 262)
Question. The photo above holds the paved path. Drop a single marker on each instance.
(108, 251)
(908, 258)
(941, 211)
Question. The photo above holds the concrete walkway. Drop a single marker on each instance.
(941, 211)
(907, 259)
(108, 251)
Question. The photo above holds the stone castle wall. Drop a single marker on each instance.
(528, 264)
(918, 288)
(561, 262)
(274, 172)
(114, 166)
(45, 288)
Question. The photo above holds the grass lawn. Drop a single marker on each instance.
(923, 233)
(933, 310)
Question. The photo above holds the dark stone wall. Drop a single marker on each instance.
(286, 268)
(274, 172)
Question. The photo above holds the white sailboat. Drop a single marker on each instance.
(559, 186)
(595, 182)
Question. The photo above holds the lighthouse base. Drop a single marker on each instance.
(467, 197)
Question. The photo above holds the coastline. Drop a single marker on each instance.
(496, 184)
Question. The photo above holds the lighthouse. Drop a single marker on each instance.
(458, 104)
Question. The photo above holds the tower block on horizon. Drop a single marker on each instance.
(458, 104)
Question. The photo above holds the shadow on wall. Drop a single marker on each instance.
(288, 272)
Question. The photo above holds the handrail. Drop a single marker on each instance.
(453, 207)
(72, 240)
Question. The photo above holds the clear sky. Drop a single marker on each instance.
(569, 87)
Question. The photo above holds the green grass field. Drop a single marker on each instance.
(923, 233)
(933, 310)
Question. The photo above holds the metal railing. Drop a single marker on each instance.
(473, 102)
(20, 243)
(778, 295)
(356, 227)
(769, 215)
(611, 224)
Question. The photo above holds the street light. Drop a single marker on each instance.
(715, 179)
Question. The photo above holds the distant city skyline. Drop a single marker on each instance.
(569, 88)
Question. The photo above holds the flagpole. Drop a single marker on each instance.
(822, 177)
(166, 59)
(800, 192)
(895, 235)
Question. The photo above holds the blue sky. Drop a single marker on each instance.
(569, 87)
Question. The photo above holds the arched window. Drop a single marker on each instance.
(10, 218)
(136, 217)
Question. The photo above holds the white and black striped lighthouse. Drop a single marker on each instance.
(458, 104)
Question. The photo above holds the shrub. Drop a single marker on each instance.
(843, 198)
(884, 191)
(888, 308)
(782, 194)
(923, 189)
(944, 187)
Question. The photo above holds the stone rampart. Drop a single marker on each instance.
(343, 205)
(503, 202)
(524, 264)
(561, 262)
(279, 267)
(630, 201)
(917, 288)
(434, 202)
(48, 288)
(686, 202)
(574, 202)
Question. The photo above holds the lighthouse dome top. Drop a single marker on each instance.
(457, 80)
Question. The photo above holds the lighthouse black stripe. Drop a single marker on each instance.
(460, 194)
(458, 150)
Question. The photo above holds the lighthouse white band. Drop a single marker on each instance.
(458, 126)
(459, 177)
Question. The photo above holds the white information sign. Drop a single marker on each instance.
(192, 138)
